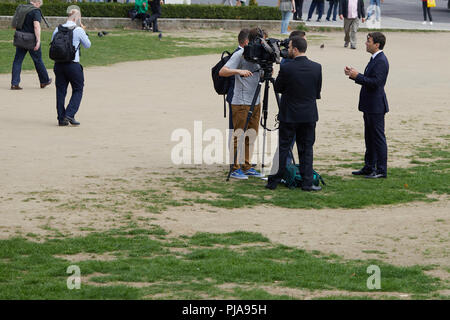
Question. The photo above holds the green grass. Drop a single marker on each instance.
(30, 270)
(422, 182)
(120, 46)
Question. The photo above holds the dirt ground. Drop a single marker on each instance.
(130, 110)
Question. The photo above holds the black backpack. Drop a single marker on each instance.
(61, 47)
(221, 84)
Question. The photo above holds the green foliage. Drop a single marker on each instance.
(194, 11)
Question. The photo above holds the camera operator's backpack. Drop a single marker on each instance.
(221, 84)
(293, 179)
(61, 47)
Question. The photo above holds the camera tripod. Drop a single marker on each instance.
(266, 78)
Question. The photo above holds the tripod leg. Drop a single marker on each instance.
(264, 121)
(249, 115)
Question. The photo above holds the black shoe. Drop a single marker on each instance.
(375, 175)
(312, 188)
(308, 20)
(328, 19)
(63, 123)
(362, 172)
(72, 121)
(345, 44)
(43, 85)
(271, 186)
(318, 20)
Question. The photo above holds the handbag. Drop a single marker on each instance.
(24, 40)
(431, 3)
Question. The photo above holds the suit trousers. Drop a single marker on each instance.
(239, 115)
(351, 28)
(305, 134)
(375, 158)
(65, 73)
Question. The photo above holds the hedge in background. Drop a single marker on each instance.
(194, 11)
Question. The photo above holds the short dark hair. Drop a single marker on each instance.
(378, 37)
(297, 33)
(255, 33)
(299, 43)
(243, 35)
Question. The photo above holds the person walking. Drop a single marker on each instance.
(334, 5)
(70, 71)
(351, 11)
(375, 5)
(320, 4)
(426, 11)
(30, 23)
(298, 10)
(155, 6)
(373, 103)
(287, 8)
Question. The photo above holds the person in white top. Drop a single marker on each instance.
(351, 11)
(70, 71)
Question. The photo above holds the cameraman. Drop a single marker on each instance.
(300, 82)
(246, 75)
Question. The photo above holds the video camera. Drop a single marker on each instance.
(266, 51)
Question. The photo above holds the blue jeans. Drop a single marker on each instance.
(286, 16)
(38, 64)
(335, 5)
(65, 73)
(376, 8)
(320, 5)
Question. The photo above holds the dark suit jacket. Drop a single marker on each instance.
(343, 8)
(299, 82)
(372, 98)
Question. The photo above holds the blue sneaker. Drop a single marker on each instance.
(238, 174)
(253, 173)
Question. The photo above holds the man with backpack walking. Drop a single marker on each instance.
(27, 22)
(65, 50)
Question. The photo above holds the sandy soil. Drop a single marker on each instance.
(130, 110)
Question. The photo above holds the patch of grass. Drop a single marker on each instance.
(402, 185)
(30, 270)
(120, 46)
(234, 238)
(373, 252)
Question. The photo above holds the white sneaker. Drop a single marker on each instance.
(431, 23)
(424, 22)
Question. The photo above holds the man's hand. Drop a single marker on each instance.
(245, 73)
(341, 16)
(353, 73)
(347, 71)
(38, 44)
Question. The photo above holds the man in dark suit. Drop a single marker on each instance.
(374, 105)
(351, 11)
(300, 83)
